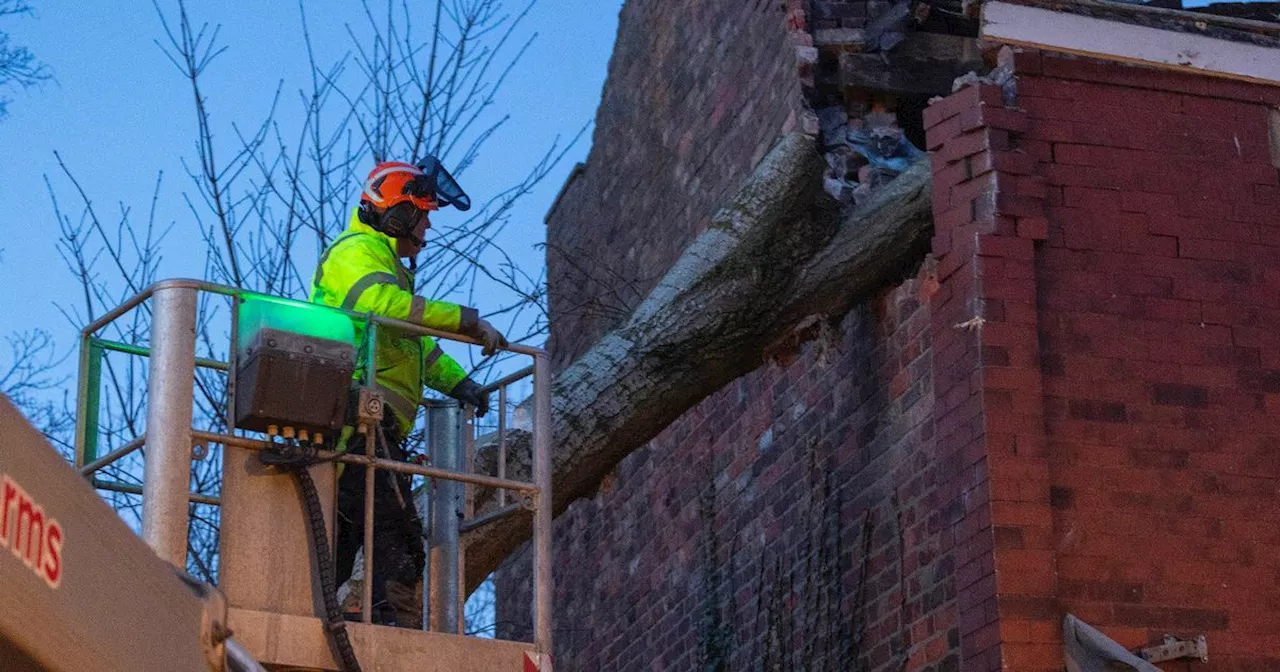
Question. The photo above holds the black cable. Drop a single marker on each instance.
(334, 622)
(297, 458)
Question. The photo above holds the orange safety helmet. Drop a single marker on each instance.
(427, 185)
(391, 183)
(397, 194)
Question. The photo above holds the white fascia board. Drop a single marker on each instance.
(1113, 40)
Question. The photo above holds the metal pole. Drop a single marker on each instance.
(366, 598)
(371, 455)
(88, 380)
(382, 464)
(468, 507)
(508, 380)
(446, 498)
(93, 401)
(542, 514)
(82, 379)
(418, 329)
(119, 310)
(137, 490)
(424, 513)
(169, 409)
(112, 456)
(239, 660)
(486, 518)
(502, 442)
(233, 361)
(139, 351)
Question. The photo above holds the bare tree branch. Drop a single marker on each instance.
(18, 67)
(267, 194)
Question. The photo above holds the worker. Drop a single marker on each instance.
(361, 271)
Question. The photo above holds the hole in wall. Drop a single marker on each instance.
(911, 118)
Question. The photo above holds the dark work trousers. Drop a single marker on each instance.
(398, 554)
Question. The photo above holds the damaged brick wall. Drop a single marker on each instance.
(813, 483)
(1073, 411)
(1114, 231)
(742, 535)
(697, 93)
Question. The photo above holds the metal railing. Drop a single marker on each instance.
(170, 435)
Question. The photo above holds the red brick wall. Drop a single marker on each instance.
(1067, 412)
(696, 94)
(1118, 234)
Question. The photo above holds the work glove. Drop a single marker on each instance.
(468, 392)
(490, 338)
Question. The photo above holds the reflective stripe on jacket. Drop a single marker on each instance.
(362, 272)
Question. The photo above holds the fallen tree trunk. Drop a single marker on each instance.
(779, 252)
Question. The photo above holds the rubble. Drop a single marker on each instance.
(870, 152)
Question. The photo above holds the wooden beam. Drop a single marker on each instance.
(1182, 20)
(1114, 40)
(924, 63)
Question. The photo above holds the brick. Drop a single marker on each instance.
(952, 217)
(971, 119)
(1173, 617)
(1003, 118)
(1241, 91)
(1044, 87)
(1020, 206)
(1260, 380)
(1031, 186)
(1006, 247)
(1199, 248)
(1039, 107)
(953, 174)
(1082, 155)
(1139, 201)
(967, 191)
(1033, 228)
(1053, 131)
(1084, 176)
(1173, 310)
(1031, 656)
(1015, 162)
(967, 144)
(1026, 61)
(1093, 200)
(943, 132)
(1098, 411)
(1036, 608)
(968, 97)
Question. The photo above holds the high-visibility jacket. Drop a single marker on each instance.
(362, 272)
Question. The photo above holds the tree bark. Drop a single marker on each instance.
(779, 252)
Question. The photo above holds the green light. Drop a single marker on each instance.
(258, 311)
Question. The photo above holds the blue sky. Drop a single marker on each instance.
(118, 112)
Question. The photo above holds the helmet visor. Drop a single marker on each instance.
(441, 183)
